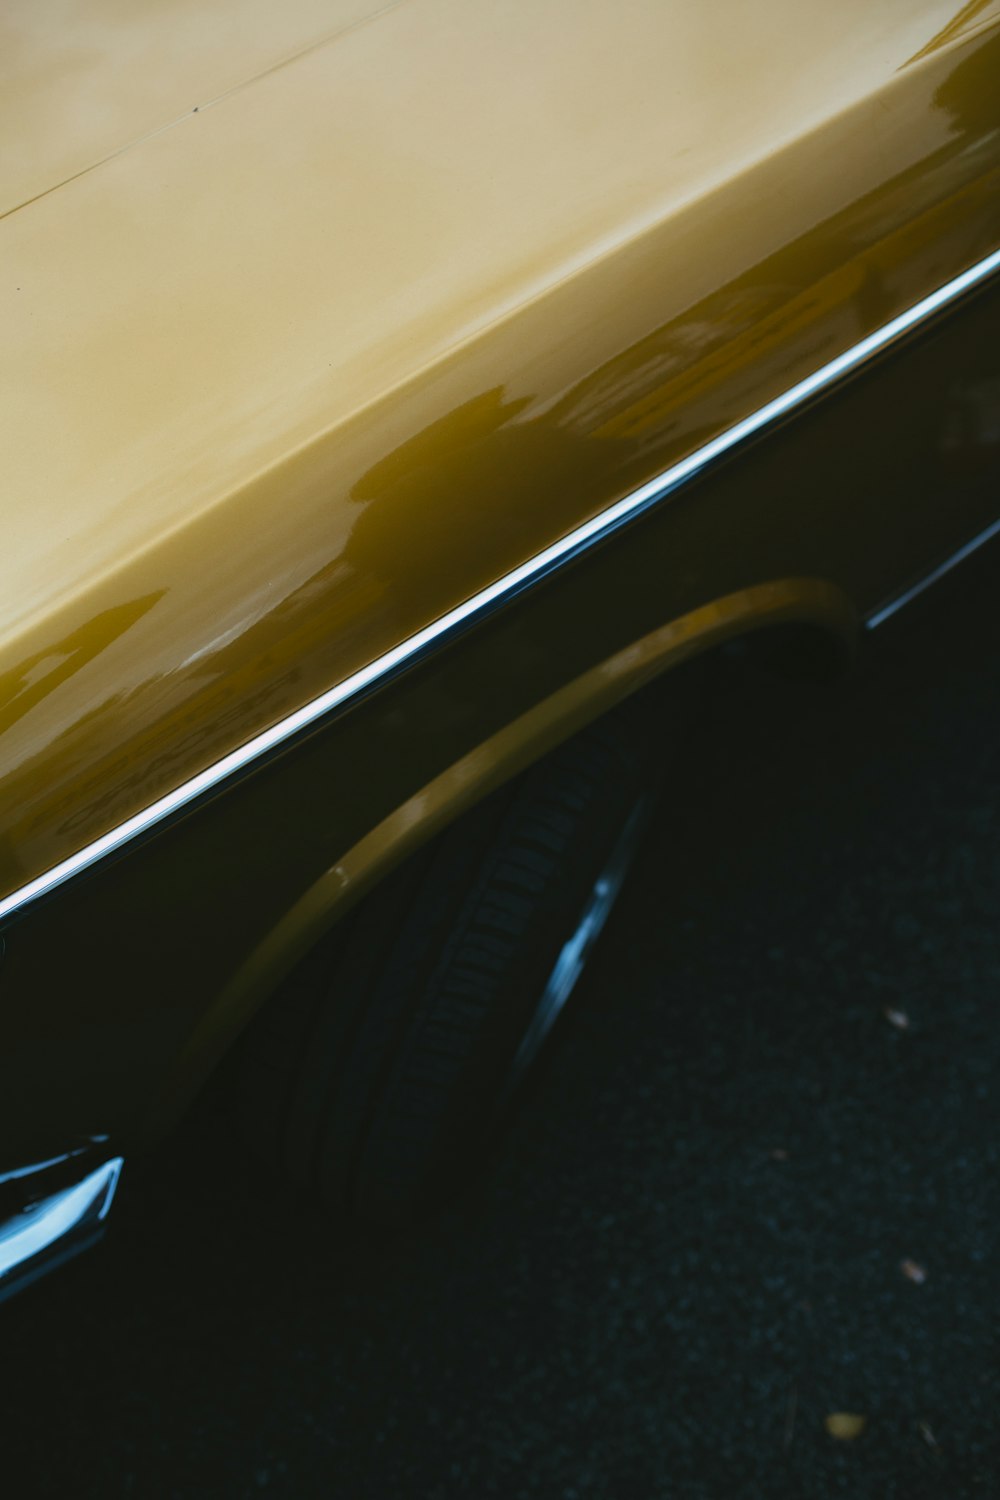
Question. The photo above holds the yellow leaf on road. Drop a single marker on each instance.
(845, 1425)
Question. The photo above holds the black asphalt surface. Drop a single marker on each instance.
(690, 1250)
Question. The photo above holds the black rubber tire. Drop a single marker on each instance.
(376, 1075)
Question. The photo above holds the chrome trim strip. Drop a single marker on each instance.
(504, 589)
(886, 611)
(37, 1168)
(49, 1231)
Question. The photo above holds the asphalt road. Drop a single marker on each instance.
(779, 1087)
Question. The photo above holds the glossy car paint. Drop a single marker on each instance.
(289, 376)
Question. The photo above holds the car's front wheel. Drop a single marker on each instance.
(382, 1068)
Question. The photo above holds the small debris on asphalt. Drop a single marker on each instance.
(928, 1435)
(913, 1271)
(779, 1155)
(897, 1018)
(845, 1426)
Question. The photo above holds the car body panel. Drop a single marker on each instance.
(146, 964)
(83, 80)
(321, 374)
(293, 377)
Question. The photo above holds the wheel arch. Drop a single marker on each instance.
(811, 621)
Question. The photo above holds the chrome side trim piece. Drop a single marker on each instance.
(504, 589)
(895, 604)
(49, 1231)
(37, 1168)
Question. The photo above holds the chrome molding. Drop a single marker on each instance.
(504, 589)
(36, 1169)
(897, 602)
(51, 1229)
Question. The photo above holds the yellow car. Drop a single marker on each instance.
(389, 391)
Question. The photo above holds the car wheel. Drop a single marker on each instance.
(380, 1071)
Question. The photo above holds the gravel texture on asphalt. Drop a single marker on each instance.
(755, 1185)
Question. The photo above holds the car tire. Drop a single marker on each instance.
(378, 1074)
